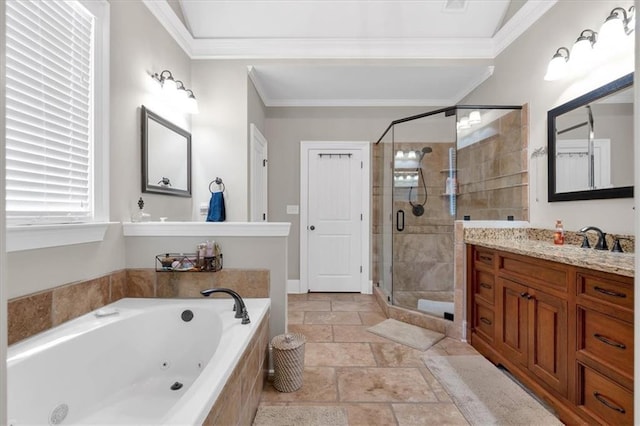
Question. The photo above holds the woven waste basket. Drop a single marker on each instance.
(288, 361)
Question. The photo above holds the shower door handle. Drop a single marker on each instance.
(400, 220)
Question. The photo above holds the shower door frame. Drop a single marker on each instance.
(448, 111)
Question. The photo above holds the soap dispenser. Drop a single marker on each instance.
(140, 215)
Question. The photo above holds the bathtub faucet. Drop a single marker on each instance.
(239, 307)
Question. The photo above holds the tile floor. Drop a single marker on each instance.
(379, 382)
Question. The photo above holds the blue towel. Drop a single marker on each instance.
(216, 208)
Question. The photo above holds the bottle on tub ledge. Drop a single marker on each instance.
(140, 215)
(558, 234)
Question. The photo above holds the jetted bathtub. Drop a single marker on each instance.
(135, 361)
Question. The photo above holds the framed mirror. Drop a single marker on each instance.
(166, 156)
(590, 144)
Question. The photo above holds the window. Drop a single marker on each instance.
(57, 105)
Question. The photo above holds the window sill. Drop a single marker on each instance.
(30, 237)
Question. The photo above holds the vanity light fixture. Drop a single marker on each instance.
(412, 155)
(176, 89)
(613, 36)
(399, 155)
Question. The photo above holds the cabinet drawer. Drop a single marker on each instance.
(604, 399)
(610, 291)
(606, 340)
(483, 321)
(484, 284)
(551, 274)
(483, 257)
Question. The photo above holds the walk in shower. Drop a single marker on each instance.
(429, 170)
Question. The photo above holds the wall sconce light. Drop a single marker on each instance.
(612, 37)
(176, 89)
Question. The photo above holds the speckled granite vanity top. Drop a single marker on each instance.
(520, 241)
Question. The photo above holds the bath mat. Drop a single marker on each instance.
(272, 415)
(485, 395)
(410, 335)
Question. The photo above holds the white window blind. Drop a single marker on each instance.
(50, 115)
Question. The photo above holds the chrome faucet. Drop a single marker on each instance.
(239, 307)
(602, 237)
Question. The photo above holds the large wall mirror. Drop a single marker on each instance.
(591, 144)
(166, 156)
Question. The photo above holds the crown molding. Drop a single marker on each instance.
(444, 48)
(168, 19)
(471, 85)
(526, 16)
(459, 48)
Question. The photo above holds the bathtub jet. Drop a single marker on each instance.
(239, 307)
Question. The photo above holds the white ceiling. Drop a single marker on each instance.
(353, 52)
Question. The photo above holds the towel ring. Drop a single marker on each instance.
(217, 181)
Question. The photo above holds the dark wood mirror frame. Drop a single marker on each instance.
(148, 118)
(616, 192)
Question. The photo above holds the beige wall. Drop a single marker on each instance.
(518, 79)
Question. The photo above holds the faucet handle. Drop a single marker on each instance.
(585, 240)
(617, 247)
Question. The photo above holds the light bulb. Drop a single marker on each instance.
(169, 85)
(399, 155)
(581, 54)
(411, 155)
(612, 33)
(474, 117)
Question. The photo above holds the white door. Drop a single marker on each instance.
(334, 217)
(258, 166)
(572, 165)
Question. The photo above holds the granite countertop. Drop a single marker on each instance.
(605, 261)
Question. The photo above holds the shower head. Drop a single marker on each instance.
(426, 150)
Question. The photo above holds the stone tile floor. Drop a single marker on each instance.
(379, 382)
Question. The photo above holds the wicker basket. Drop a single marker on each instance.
(288, 361)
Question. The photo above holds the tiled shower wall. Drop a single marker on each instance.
(34, 313)
(492, 173)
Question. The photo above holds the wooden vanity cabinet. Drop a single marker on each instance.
(565, 332)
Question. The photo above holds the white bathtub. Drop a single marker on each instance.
(119, 369)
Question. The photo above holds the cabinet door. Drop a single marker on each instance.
(548, 340)
(513, 331)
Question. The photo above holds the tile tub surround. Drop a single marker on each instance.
(34, 313)
(523, 241)
(238, 402)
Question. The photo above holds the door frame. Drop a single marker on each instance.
(365, 231)
(256, 137)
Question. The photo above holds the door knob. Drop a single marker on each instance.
(312, 227)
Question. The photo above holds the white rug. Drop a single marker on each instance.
(406, 334)
(273, 415)
(485, 395)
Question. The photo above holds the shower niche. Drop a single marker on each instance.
(456, 163)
